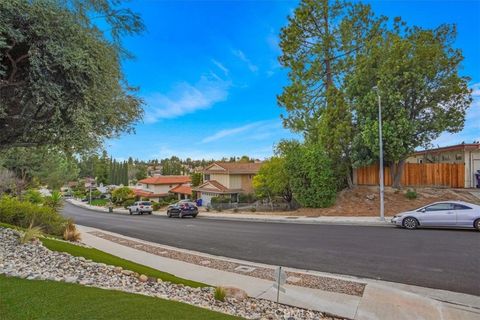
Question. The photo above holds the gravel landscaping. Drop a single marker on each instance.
(34, 261)
(293, 278)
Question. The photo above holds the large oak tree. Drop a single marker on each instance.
(416, 72)
(61, 81)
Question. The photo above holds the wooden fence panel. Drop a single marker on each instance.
(417, 174)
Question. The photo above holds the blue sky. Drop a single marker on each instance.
(209, 74)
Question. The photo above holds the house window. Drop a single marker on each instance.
(420, 160)
(459, 156)
(207, 177)
(147, 186)
(445, 157)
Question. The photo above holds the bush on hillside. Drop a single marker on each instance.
(33, 196)
(22, 213)
(411, 194)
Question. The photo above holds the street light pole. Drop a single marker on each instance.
(380, 138)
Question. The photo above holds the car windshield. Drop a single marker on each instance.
(146, 203)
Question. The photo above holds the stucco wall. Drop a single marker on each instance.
(247, 183)
(158, 188)
(224, 179)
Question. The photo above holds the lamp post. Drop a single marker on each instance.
(380, 138)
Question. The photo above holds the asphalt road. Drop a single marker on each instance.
(441, 259)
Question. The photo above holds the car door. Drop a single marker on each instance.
(465, 215)
(439, 215)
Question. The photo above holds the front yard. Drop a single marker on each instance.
(32, 299)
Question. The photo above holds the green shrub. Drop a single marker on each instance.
(33, 196)
(120, 195)
(99, 202)
(312, 176)
(411, 194)
(235, 210)
(220, 199)
(95, 194)
(156, 206)
(54, 201)
(246, 198)
(79, 194)
(219, 294)
(127, 203)
(253, 209)
(22, 213)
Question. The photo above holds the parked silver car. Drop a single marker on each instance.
(454, 214)
(141, 207)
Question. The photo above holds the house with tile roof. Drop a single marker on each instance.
(158, 187)
(228, 179)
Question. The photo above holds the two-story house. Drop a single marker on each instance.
(158, 187)
(228, 179)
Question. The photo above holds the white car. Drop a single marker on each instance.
(141, 207)
(452, 214)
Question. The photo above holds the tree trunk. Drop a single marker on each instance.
(349, 179)
(396, 171)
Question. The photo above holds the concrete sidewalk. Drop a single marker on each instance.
(338, 220)
(380, 300)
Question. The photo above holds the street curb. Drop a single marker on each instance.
(293, 221)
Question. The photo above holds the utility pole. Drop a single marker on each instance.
(380, 138)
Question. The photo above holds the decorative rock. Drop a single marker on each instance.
(127, 272)
(370, 197)
(235, 293)
(34, 261)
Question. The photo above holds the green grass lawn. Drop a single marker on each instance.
(32, 299)
(103, 257)
(99, 202)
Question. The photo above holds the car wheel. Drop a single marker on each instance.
(141, 213)
(169, 214)
(410, 223)
(150, 212)
(130, 211)
(476, 224)
(194, 216)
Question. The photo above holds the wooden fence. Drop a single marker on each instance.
(417, 174)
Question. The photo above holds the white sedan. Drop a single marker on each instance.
(452, 214)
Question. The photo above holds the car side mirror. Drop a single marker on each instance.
(423, 210)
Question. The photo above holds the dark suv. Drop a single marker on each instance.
(182, 209)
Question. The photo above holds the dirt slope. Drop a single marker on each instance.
(356, 202)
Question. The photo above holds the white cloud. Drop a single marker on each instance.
(186, 98)
(230, 132)
(221, 67)
(239, 54)
(476, 90)
(166, 151)
(259, 130)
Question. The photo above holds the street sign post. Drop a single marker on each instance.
(280, 280)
